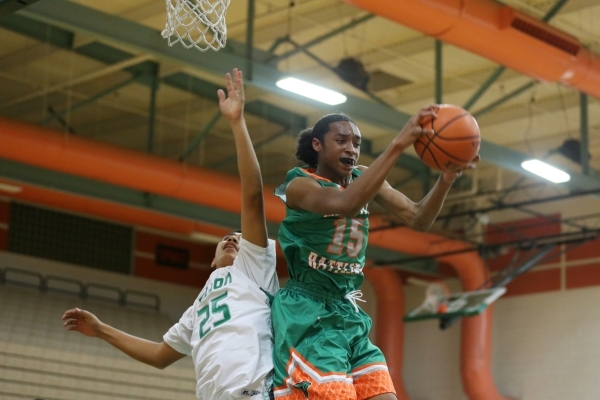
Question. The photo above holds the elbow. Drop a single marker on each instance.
(351, 211)
(161, 364)
(349, 208)
(416, 222)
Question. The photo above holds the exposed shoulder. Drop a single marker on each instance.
(362, 168)
(302, 181)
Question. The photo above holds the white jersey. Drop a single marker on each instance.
(228, 329)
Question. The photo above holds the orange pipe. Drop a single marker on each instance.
(109, 210)
(30, 144)
(476, 333)
(389, 334)
(501, 34)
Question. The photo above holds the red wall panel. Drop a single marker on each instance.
(4, 207)
(199, 253)
(147, 268)
(3, 239)
(583, 276)
(522, 230)
(535, 282)
(587, 250)
(145, 264)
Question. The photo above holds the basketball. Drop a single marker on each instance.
(455, 141)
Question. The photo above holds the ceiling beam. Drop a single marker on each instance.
(111, 28)
(114, 57)
(11, 6)
(71, 16)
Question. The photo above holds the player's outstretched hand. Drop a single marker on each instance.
(81, 321)
(451, 175)
(413, 129)
(232, 104)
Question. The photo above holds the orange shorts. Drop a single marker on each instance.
(322, 349)
(306, 382)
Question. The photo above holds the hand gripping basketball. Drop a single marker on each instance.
(455, 140)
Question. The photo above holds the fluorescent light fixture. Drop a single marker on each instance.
(205, 237)
(546, 171)
(5, 187)
(311, 91)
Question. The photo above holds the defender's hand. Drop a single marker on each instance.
(81, 321)
(232, 105)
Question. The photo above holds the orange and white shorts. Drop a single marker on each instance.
(322, 350)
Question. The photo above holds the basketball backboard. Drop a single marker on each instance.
(462, 304)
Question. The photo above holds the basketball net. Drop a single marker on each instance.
(196, 23)
(436, 298)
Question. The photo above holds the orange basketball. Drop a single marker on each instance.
(455, 141)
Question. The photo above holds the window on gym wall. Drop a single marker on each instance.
(69, 238)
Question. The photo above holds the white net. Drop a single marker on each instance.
(196, 23)
(436, 297)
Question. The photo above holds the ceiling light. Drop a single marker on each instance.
(311, 91)
(5, 187)
(546, 171)
(205, 237)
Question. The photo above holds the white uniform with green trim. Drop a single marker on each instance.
(228, 329)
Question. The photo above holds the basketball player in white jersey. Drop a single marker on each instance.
(227, 330)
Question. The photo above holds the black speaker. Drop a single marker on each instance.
(353, 71)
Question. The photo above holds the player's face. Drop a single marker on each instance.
(227, 250)
(339, 152)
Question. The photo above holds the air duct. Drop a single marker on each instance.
(41, 147)
(476, 332)
(501, 34)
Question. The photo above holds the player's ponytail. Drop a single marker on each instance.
(304, 148)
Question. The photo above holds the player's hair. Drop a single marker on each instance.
(304, 148)
(237, 231)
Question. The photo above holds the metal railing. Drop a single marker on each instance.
(70, 286)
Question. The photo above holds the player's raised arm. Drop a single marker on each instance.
(254, 228)
(308, 195)
(419, 216)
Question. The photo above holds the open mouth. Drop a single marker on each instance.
(348, 161)
(229, 246)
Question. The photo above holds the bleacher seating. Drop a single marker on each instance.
(39, 359)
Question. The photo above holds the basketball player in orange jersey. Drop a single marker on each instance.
(322, 350)
(227, 330)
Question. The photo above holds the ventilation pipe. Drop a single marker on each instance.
(389, 330)
(501, 34)
(476, 332)
(45, 148)
(109, 210)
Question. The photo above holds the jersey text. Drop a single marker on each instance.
(216, 284)
(337, 267)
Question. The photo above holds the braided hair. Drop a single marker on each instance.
(304, 148)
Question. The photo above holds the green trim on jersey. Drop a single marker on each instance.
(325, 252)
